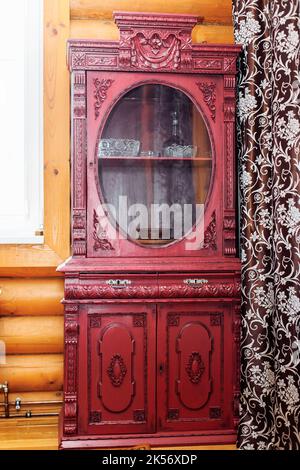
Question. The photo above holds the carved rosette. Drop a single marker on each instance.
(117, 370)
(173, 414)
(230, 64)
(139, 416)
(215, 413)
(71, 344)
(78, 59)
(195, 368)
(208, 90)
(95, 321)
(139, 321)
(173, 320)
(95, 417)
(216, 319)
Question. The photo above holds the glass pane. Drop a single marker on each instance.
(155, 164)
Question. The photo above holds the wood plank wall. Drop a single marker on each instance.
(31, 316)
(93, 18)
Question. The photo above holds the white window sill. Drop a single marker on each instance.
(27, 240)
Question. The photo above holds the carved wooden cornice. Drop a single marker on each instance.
(152, 43)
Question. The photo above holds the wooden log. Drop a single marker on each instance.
(32, 335)
(216, 34)
(211, 11)
(31, 296)
(43, 372)
(107, 30)
(94, 29)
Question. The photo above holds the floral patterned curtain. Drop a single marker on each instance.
(269, 146)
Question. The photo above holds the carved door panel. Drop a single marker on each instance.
(118, 383)
(195, 357)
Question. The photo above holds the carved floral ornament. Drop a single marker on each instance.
(117, 370)
(195, 368)
(155, 52)
(209, 95)
(100, 93)
(98, 291)
(100, 236)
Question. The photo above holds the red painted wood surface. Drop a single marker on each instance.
(195, 372)
(117, 369)
(151, 334)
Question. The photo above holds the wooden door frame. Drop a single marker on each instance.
(20, 260)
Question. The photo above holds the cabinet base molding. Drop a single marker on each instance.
(152, 440)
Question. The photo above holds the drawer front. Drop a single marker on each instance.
(200, 285)
(111, 287)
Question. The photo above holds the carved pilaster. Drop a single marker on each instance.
(229, 234)
(229, 121)
(229, 228)
(71, 355)
(79, 163)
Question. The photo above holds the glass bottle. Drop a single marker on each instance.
(173, 146)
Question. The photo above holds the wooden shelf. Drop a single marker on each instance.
(159, 159)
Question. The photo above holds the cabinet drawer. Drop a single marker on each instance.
(198, 285)
(112, 287)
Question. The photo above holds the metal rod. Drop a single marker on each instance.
(4, 387)
(23, 403)
(37, 415)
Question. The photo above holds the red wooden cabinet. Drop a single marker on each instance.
(152, 288)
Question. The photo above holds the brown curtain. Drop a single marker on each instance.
(269, 146)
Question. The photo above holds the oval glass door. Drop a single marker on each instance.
(155, 165)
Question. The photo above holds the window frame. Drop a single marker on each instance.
(42, 260)
(28, 227)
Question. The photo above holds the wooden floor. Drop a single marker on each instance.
(42, 434)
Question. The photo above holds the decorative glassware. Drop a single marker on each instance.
(181, 151)
(119, 148)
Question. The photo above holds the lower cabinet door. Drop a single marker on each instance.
(195, 367)
(117, 370)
